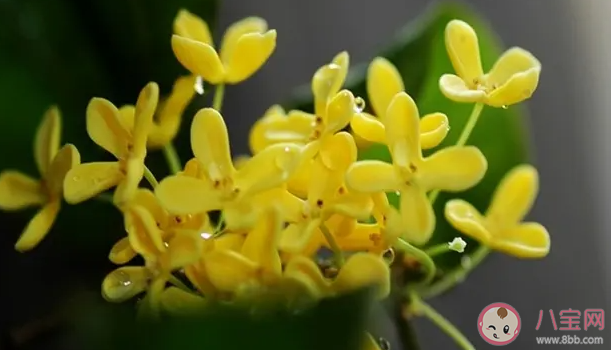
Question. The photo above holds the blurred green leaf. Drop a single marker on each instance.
(334, 324)
(420, 56)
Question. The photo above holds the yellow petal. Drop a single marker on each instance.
(513, 62)
(371, 176)
(394, 227)
(179, 302)
(338, 152)
(210, 144)
(105, 128)
(194, 168)
(339, 112)
(233, 34)
(190, 26)
(466, 219)
(261, 242)
(251, 51)
(147, 199)
(368, 127)
(127, 116)
(268, 169)
(453, 169)
(144, 235)
(170, 113)
(184, 249)
(38, 227)
(434, 128)
(463, 48)
(456, 89)
(380, 206)
(356, 205)
(229, 241)
(517, 89)
(87, 180)
(67, 158)
(417, 214)
(528, 240)
(19, 191)
(124, 283)
(363, 237)
(299, 182)
(228, 270)
(328, 80)
(198, 275)
(47, 140)
(296, 237)
(340, 225)
(186, 195)
(126, 189)
(198, 58)
(514, 196)
(301, 265)
(402, 124)
(122, 252)
(143, 122)
(364, 270)
(289, 205)
(276, 127)
(383, 83)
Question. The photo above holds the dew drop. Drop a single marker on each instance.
(504, 106)
(199, 85)
(384, 344)
(76, 178)
(205, 235)
(389, 255)
(448, 127)
(398, 193)
(359, 104)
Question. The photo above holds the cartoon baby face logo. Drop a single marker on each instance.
(499, 324)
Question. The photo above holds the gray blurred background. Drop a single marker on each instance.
(570, 127)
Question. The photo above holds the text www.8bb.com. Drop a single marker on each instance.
(570, 340)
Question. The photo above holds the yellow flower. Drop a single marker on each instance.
(169, 117)
(327, 193)
(383, 83)
(501, 227)
(450, 169)
(301, 127)
(219, 185)
(360, 270)
(245, 47)
(123, 251)
(19, 191)
(122, 133)
(512, 79)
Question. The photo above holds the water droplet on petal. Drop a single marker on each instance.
(389, 256)
(504, 106)
(205, 235)
(359, 105)
(448, 127)
(384, 344)
(121, 284)
(76, 178)
(199, 85)
(398, 193)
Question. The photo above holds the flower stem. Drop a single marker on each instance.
(421, 256)
(171, 156)
(424, 309)
(438, 249)
(219, 93)
(105, 197)
(457, 275)
(179, 284)
(148, 175)
(337, 252)
(463, 138)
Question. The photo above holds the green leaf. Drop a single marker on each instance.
(334, 324)
(419, 54)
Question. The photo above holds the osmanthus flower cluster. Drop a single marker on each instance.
(302, 191)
